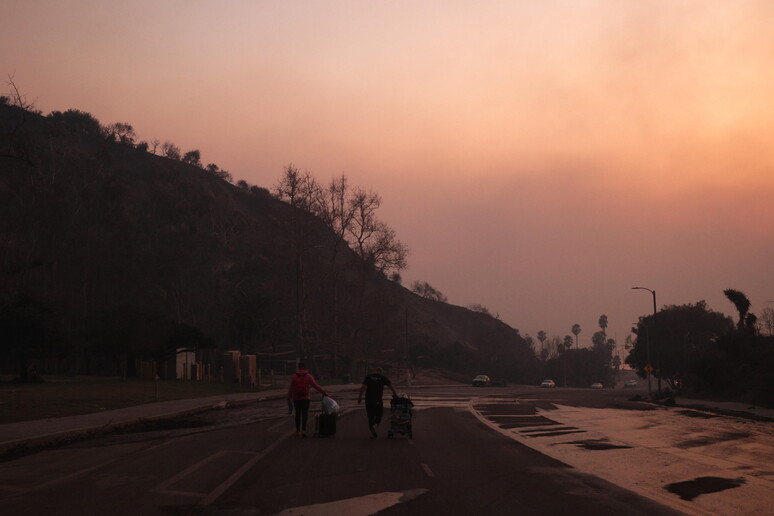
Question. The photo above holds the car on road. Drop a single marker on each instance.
(597, 385)
(482, 380)
(548, 383)
(630, 384)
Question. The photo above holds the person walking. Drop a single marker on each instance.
(298, 396)
(373, 387)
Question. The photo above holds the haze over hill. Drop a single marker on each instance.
(557, 153)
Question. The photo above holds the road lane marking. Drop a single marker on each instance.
(230, 481)
(273, 427)
(162, 488)
(428, 471)
(359, 506)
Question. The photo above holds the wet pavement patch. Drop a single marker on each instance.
(505, 409)
(693, 413)
(599, 444)
(703, 485)
(556, 433)
(510, 422)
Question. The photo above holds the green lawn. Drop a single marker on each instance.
(68, 396)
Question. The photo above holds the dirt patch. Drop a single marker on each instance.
(703, 485)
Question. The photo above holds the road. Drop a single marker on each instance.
(514, 450)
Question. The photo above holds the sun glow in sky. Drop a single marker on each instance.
(539, 158)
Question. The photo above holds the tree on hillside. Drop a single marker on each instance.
(170, 150)
(424, 289)
(567, 344)
(77, 121)
(120, 132)
(12, 136)
(375, 242)
(576, 329)
(766, 321)
(192, 157)
(476, 307)
(218, 172)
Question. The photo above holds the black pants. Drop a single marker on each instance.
(302, 413)
(374, 411)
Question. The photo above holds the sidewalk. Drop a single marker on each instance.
(50, 431)
(727, 408)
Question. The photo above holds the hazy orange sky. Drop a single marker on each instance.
(538, 157)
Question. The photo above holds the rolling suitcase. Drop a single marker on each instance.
(325, 425)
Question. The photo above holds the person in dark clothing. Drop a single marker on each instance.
(373, 387)
(298, 396)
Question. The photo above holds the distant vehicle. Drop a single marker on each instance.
(481, 380)
(597, 385)
(630, 383)
(548, 383)
(499, 382)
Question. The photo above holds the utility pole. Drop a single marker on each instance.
(649, 366)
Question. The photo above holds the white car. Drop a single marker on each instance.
(597, 385)
(548, 383)
(630, 383)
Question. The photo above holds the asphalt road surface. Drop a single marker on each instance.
(474, 451)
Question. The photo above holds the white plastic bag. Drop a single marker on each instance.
(330, 406)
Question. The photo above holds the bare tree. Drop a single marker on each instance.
(298, 189)
(120, 132)
(372, 239)
(170, 150)
(766, 321)
(13, 147)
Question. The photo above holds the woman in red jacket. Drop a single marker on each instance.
(298, 396)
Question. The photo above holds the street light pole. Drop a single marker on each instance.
(650, 332)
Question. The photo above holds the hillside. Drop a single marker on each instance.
(109, 253)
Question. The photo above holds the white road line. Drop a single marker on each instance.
(428, 471)
(162, 488)
(360, 506)
(230, 481)
(279, 424)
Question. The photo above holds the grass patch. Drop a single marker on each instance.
(70, 396)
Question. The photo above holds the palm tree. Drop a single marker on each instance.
(576, 329)
(742, 304)
(567, 342)
(603, 323)
(542, 338)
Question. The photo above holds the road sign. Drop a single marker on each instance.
(648, 368)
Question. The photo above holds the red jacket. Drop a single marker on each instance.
(310, 382)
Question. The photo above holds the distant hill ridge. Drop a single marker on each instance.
(125, 254)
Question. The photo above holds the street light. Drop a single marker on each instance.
(649, 366)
